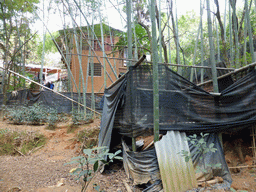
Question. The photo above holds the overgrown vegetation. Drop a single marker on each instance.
(79, 118)
(36, 114)
(201, 150)
(95, 157)
(20, 143)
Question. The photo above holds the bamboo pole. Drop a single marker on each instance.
(228, 74)
(95, 37)
(135, 42)
(155, 72)
(212, 60)
(202, 40)
(177, 40)
(159, 31)
(169, 43)
(129, 31)
(122, 77)
(84, 36)
(21, 53)
(51, 90)
(43, 53)
(235, 33)
(103, 48)
(59, 52)
(249, 31)
(80, 65)
(225, 21)
(129, 39)
(218, 42)
(245, 42)
(230, 37)
(246, 166)
(195, 51)
(171, 64)
(90, 64)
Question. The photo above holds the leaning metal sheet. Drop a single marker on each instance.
(176, 174)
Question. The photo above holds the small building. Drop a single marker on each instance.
(92, 54)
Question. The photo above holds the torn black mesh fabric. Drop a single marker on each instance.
(184, 106)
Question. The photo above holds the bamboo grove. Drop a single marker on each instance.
(219, 31)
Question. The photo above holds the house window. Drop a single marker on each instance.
(97, 69)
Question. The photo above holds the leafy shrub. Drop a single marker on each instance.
(17, 114)
(36, 114)
(94, 157)
(79, 118)
(52, 118)
(202, 148)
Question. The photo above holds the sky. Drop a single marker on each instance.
(113, 18)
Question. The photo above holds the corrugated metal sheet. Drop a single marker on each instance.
(176, 174)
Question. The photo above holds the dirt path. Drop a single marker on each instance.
(43, 170)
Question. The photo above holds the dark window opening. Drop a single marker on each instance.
(96, 70)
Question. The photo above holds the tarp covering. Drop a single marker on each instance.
(48, 98)
(183, 106)
(141, 166)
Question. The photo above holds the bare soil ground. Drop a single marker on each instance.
(44, 170)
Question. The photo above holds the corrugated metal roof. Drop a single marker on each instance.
(176, 174)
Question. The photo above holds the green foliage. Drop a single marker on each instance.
(14, 143)
(202, 149)
(16, 115)
(52, 118)
(49, 44)
(94, 157)
(79, 118)
(35, 115)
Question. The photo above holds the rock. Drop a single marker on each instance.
(15, 189)
(60, 183)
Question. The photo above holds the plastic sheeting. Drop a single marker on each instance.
(113, 98)
(142, 167)
(185, 107)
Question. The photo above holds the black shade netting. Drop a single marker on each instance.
(51, 99)
(183, 106)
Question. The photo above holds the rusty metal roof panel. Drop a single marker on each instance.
(176, 174)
